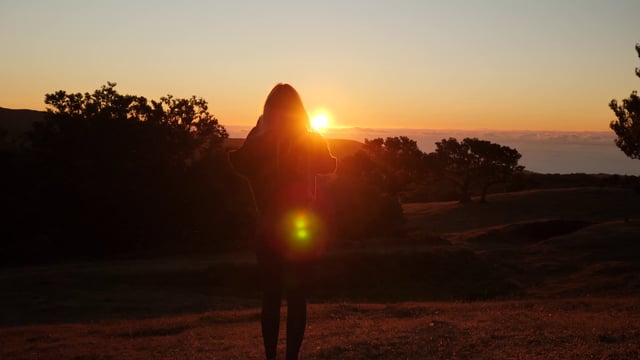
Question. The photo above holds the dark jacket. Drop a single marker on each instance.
(282, 171)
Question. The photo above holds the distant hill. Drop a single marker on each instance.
(18, 122)
(340, 148)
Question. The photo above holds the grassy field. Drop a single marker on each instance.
(539, 274)
(584, 328)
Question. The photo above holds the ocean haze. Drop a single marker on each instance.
(553, 152)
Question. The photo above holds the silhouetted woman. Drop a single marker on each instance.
(281, 158)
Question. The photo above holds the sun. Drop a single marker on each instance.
(320, 121)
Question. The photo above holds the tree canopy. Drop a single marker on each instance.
(189, 116)
(107, 175)
(395, 162)
(627, 122)
(474, 160)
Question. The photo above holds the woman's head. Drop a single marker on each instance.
(283, 110)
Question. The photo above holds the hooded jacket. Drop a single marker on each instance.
(282, 169)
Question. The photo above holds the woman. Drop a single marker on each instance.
(281, 158)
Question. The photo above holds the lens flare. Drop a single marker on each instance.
(303, 235)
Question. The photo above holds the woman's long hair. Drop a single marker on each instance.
(286, 123)
(284, 113)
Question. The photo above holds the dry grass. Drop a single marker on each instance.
(562, 268)
(585, 328)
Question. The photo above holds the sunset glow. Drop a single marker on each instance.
(543, 65)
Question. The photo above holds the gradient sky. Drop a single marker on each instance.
(509, 64)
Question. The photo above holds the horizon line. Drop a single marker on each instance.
(356, 127)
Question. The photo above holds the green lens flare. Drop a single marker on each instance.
(301, 223)
(302, 234)
(301, 230)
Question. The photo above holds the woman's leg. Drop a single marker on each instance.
(270, 319)
(296, 323)
(296, 308)
(270, 268)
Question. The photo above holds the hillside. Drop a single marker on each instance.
(562, 242)
(541, 274)
(592, 204)
(511, 246)
(17, 122)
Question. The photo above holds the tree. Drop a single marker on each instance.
(627, 123)
(395, 161)
(474, 160)
(188, 118)
(108, 174)
(362, 199)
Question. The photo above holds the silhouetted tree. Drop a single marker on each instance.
(627, 123)
(189, 119)
(397, 162)
(363, 196)
(107, 174)
(474, 160)
(364, 165)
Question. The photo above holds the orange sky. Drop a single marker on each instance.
(498, 64)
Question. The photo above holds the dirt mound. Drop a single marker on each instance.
(610, 241)
(601, 259)
(529, 232)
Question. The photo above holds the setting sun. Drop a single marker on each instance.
(320, 121)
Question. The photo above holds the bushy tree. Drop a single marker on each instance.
(363, 197)
(108, 174)
(394, 162)
(188, 120)
(473, 160)
(627, 123)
